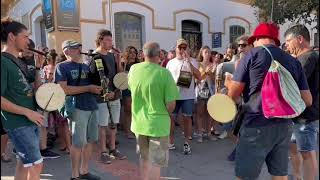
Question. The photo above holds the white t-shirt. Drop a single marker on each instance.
(174, 66)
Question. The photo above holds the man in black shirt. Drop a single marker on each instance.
(306, 126)
(109, 111)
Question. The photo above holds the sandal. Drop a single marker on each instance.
(5, 159)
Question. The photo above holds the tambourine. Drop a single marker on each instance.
(120, 81)
(221, 108)
(50, 97)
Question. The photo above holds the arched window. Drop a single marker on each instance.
(128, 30)
(235, 32)
(191, 32)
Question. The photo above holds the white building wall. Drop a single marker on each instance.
(161, 19)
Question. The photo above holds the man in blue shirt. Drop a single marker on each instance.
(73, 77)
(263, 140)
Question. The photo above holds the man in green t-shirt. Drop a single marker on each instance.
(153, 99)
(18, 108)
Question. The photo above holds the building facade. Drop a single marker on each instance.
(214, 23)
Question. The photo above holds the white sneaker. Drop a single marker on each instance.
(212, 138)
(223, 135)
(172, 147)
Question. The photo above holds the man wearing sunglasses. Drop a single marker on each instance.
(184, 64)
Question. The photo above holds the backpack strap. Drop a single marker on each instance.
(264, 47)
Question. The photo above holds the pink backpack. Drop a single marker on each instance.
(280, 93)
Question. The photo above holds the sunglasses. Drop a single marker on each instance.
(182, 47)
(243, 45)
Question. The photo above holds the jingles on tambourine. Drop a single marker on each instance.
(221, 108)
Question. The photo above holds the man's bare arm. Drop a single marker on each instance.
(73, 90)
(33, 116)
(235, 89)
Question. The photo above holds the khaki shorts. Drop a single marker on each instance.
(153, 149)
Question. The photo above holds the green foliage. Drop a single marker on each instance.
(291, 10)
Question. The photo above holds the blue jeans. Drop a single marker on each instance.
(306, 136)
(26, 141)
(257, 145)
(186, 105)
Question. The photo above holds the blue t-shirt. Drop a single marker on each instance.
(252, 70)
(69, 71)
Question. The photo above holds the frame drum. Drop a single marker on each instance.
(221, 108)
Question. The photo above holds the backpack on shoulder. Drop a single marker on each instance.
(280, 93)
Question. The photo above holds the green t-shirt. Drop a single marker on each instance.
(16, 89)
(152, 86)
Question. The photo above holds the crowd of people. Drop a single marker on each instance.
(166, 90)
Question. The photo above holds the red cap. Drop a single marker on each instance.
(266, 30)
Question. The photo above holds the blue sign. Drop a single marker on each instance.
(216, 40)
(48, 14)
(47, 6)
(67, 5)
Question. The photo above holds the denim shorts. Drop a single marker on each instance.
(26, 141)
(257, 145)
(103, 112)
(186, 106)
(306, 136)
(84, 127)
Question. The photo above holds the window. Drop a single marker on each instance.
(235, 32)
(128, 30)
(191, 32)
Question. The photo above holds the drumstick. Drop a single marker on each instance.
(48, 103)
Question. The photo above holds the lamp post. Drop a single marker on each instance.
(111, 19)
(272, 4)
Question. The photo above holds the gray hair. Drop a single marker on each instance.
(151, 49)
(242, 38)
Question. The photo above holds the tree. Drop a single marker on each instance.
(306, 11)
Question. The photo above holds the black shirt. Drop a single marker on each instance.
(310, 64)
(110, 70)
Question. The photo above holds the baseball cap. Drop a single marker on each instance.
(70, 44)
(181, 41)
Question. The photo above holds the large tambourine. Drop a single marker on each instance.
(120, 81)
(50, 97)
(221, 108)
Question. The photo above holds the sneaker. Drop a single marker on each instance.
(115, 154)
(223, 135)
(215, 132)
(212, 138)
(172, 147)
(105, 158)
(47, 154)
(200, 139)
(89, 176)
(186, 149)
(195, 134)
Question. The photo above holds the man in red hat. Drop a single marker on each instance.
(261, 139)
